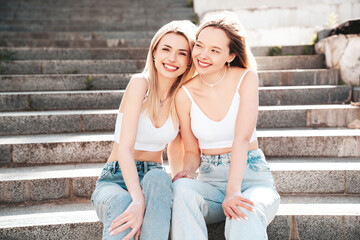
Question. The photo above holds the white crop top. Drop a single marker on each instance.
(216, 134)
(149, 138)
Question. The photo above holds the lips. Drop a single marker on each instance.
(203, 64)
(169, 67)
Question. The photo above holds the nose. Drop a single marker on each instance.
(172, 56)
(203, 53)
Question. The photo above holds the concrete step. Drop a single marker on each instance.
(96, 147)
(71, 66)
(92, 3)
(95, 13)
(21, 101)
(96, 43)
(126, 66)
(77, 121)
(78, 35)
(292, 176)
(310, 217)
(105, 99)
(291, 62)
(84, 25)
(26, 53)
(68, 82)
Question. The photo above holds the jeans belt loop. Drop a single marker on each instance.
(145, 167)
(113, 170)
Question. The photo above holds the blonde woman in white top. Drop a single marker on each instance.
(133, 196)
(218, 112)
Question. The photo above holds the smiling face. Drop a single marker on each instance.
(172, 55)
(211, 50)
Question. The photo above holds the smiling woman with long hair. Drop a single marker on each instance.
(133, 195)
(218, 112)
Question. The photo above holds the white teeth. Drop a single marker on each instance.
(170, 67)
(203, 65)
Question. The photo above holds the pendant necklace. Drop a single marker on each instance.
(211, 85)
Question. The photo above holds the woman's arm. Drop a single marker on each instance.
(191, 146)
(175, 153)
(244, 127)
(131, 109)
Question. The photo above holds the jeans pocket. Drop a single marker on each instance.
(259, 164)
(105, 173)
(205, 168)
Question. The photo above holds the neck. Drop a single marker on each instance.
(214, 77)
(163, 86)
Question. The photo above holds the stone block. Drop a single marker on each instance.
(46, 189)
(13, 191)
(64, 152)
(84, 187)
(99, 122)
(5, 154)
(352, 182)
(309, 181)
(281, 119)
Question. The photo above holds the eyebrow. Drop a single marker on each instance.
(211, 46)
(182, 50)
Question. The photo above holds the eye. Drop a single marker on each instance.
(215, 51)
(166, 49)
(197, 45)
(183, 54)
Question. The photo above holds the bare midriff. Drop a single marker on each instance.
(252, 146)
(145, 156)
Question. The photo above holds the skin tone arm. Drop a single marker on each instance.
(191, 146)
(132, 217)
(175, 153)
(244, 127)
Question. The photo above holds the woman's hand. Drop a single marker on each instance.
(131, 218)
(184, 174)
(232, 204)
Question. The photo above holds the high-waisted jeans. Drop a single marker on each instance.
(111, 198)
(199, 202)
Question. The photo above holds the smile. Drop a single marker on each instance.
(170, 67)
(203, 64)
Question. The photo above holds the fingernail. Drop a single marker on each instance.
(246, 218)
(253, 210)
(109, 229)
(112, 234)
(238, 219)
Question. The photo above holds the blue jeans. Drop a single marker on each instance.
(111, 198)
(199, 202)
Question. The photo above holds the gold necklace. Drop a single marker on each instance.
(213, 85)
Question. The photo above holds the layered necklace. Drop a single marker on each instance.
(214, 84)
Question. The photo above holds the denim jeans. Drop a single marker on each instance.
(199, 202)
(111, 198)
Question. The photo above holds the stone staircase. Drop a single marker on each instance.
(64, 67)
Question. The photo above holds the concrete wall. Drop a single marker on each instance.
(283, 22)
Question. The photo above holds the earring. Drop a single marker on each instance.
(228, 64)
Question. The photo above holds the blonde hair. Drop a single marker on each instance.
(231, 25)
(186, 29)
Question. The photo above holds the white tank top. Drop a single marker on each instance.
(149, 138)
(216, 134)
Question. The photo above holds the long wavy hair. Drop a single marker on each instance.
(231, 25)
(186, 29)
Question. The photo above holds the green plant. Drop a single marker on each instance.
(190, 3)
(275, 51)
(196, 19)
(332, 20)
(7, 56)
(72, 72)
(308, 49)
(30, 103)
(341, 82)
(88, 83)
